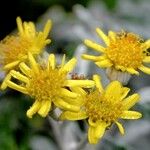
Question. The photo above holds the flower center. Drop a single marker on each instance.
(13, 48)
(47, 84)
(98, 107)
(125, 50)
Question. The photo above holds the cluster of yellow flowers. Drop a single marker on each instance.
(78, 98)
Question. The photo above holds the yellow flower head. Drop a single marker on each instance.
(124, 51)
(46, 83)
(14, 49)
(103, 107)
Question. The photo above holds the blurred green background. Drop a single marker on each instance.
(32, 9)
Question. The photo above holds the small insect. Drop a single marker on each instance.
(75, 76)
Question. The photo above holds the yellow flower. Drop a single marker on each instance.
(14, 49)
(103, 107)
(124, 51)
(46, 83)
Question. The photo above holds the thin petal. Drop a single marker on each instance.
(19, 76)
(96, 133)
(32, 29)
(120, 127)
(80, 83)
(20, 26)
(131, 115)
(130, 101)
(45, 108)
(25, 69)
(100, 129)
(16, 87)
(4, 83)
(132, 71)
(33, 63)
(34, 109)
(103, 36)
(51, 61)
(98, 83)
(114, 89)
(112, 35)
(67, 115)
(65, 106)
(94, 46)
(91, 135)
(93, 58)
(119, 67)
(79, 101)
(78, 90)
(144, 69)
(47, 28)
(69, 66)
(26, 29)
(125, 91)
(67, 93)
(11, 65)
(104, 63)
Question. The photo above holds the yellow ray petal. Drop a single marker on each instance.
(103, 36)
(68, 115)
(47, 28)
(144, 69)
(32, 29)
(131, 115)
(120, 127)
(91, 135)
(20, 26)
(27, 29)
(125, 91)
(69, 66)
(80, 83)
(114, 89)
(4, 83)
(11, 65)
(93, 58)
(112, 35)
(132, 71)
(51, 61)
(98, 83)
(19, 76)
(104, 63)
(45, 108)
(25, 69)
(79, 101)
(78, 90)
(100, 129)
(130, 101)
(146, 59)
(33, 63)
(67, 93)
(33, 109)
(94, 46)
(65, 106)
(16, 87)
(118, 67)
